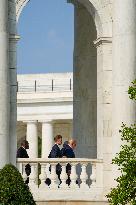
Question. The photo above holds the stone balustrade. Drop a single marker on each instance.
(48, 85)
(85, 178)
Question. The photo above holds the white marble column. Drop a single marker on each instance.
(4, 85)
(124, 67)
(47, 138)
(13, 97)
(32, 138)
(13, 38)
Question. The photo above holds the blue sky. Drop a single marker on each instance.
(47, 35)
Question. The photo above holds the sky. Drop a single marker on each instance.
(47, 37)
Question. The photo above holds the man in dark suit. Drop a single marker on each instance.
(22, 153)
(69, 149)
(56, 153)
(68, 152)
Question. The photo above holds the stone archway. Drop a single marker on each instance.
(90, 135)
(90, 130)
(20, 4)
(93, 75)
(92, 6)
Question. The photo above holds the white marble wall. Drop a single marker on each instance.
(85, 83)
(124, 68)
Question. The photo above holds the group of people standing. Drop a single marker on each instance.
(66, 152)
(56, 152)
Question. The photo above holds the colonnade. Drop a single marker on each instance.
(32, 138)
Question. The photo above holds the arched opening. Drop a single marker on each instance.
(46, 51)
(85, 83)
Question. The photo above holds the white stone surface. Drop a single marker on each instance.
(63, 192)
(104, 105)
(47, 138)
(32, 138)
(85, 84)
(124, 68)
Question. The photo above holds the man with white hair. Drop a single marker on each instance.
(68, 152)
(69, 149)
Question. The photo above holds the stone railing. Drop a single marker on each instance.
(86, 178)
(49, 85)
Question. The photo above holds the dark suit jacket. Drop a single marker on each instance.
(22, 153)
(55, 152)
(68, 152)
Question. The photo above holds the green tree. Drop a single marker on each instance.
(125, 192)
(13, 190)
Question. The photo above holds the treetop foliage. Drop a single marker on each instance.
(13, 190)
(125, 192)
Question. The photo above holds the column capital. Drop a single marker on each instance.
(102, 40)
(46, 121)
(30, 121)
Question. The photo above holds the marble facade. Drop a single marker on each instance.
(104, 67)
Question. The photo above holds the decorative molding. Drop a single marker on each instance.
(46, 121)
(102, 40)
(30, 121)
(14, 38)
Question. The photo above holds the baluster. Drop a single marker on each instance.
(53, 177)
(73, 176)
(43, 176)
(48, 170)
(93, 175)
(63, 176)
(36, 173)
(84, 177)
(20, 167)
(33, 176)
(24, 172)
